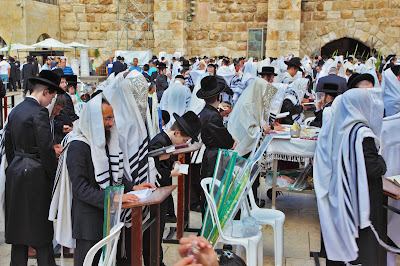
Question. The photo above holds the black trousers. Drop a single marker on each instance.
(195, 187)
(82, 248)
(13, 84)
(44, 255)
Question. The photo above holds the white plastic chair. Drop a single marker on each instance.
(253, 245)
(108, 257)
(270, 217)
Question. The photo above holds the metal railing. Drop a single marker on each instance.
(51, 2)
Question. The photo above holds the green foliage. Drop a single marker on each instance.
(96, 53)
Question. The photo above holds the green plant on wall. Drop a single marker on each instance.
(96, 53)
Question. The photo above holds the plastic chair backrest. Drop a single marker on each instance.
(210, 201)
(109, 253)
(112, 208)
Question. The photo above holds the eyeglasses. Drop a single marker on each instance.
(64, 82)
(109, 119)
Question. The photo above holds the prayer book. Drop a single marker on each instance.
(282, 115)
(391, 189)
(142, 194)
(395, 179)
(161, 151)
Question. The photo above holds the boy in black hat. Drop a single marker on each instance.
(72, 81)
(268, 73)
(28, 71)
(329, 93)
(213, 133)
(31, 169)
(186, 127)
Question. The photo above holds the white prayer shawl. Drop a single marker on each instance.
(195, 74)
(246, 119)
(175, 100)
(339, 175)
(295, 93)
(326, 67)
(391, 92)
(176, 69)
(341, 71)
(347, 65)
(196, 104)
(247, 78)
(284, 78)
(263, 63)
(91, 131)
(390, 151)
(152, 117)
(3, 167)
(226, 73)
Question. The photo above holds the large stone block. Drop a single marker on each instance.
(248, 8)
(262, 7)
(355, 4)
(248, 17)
(305, 16)
(202, 35)
(70, 26)
(277, 14)
(381, 4)
(220, 8)
(293, 35)
(293, 14)
(214, 36)
(272, 35)
(320, 6)
(346, 14)
(395, 22)
(218, 27)
(368, 4)
(81, 17)
(90, 17)
(236, 17)
(395, 3)
(388, 13)
(308, 6)
(320, 15)
(309, 25)
(334, 15)
(64, 8)
(230, 27)
(175, 25)
(262, 17)
(70, 17)
(242, 46)
(241, 27)
(105, 26)
(285, 4)
(233, 8)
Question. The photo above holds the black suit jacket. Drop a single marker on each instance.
(164, 167)
(88, 198)
(28, 71)
(69, 108)
(30, 174)
(117, 67)
(161, 85)
(215, 136)
(332, 78)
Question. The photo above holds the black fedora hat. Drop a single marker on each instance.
(357, 78)
(209, 87)
(49, 78)
(396, 70)
(185, 63)
(72, 79)
(190, 123)
(330, 88)
(295, 61)
(59, 72)
(165, 116)
(161, 65)
(267, 70)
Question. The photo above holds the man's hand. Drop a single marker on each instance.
(58, 149)
(164, 156)
(127, 198)
(320, 104)
(234, 144)
(266, 129)
(175, 171)
(67, 129)
(206, 256)
(143, 186)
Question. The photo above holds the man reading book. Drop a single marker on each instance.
(185, 127)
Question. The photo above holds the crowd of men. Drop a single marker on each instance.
(221, 103)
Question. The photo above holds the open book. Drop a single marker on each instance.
(142, 194)
(391, 186)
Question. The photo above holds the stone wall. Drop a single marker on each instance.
(94, 22)
(220, 27)
(283, 33)
(373, 22)
(25, 25)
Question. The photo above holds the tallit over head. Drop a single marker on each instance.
(391, 92)
(175, 100)
(340, 176)
(247, 117)
(196, 104)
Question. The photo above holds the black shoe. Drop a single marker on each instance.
(227, 247)
(195, 208)
(170, 219)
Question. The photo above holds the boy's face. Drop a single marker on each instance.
(178, 139)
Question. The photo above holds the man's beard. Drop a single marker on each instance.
(108, 135)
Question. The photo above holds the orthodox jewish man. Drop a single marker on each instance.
(31, 169)
(329, 93)
(293, 66)
(213, 132)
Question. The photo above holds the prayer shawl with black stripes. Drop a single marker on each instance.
(107, 159)
(340, 177)
(132, 132)
(295, 93)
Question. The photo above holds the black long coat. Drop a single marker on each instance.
(161, 85)
(215, 136)
(30, 175)
(28, 71)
